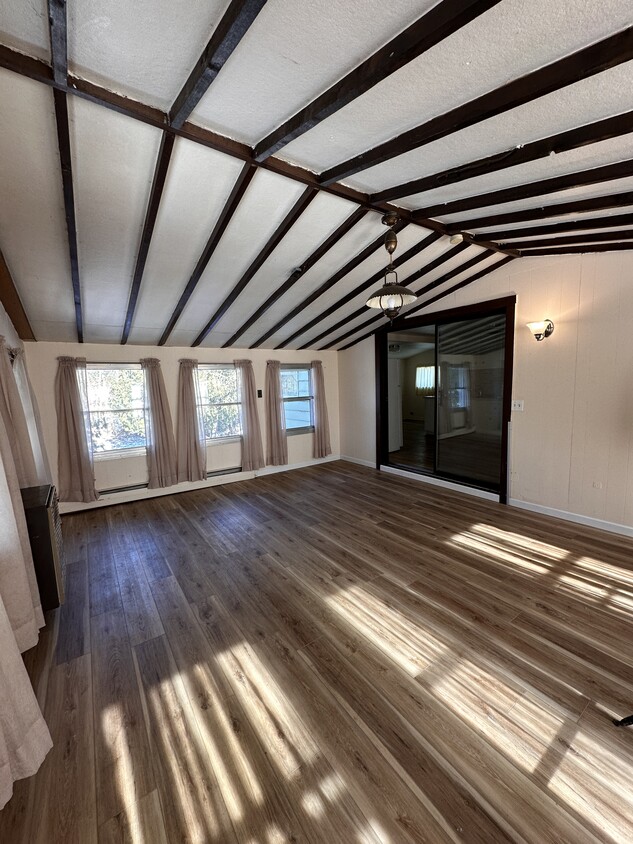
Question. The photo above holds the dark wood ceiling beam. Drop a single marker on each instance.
(366, 252)
(596, 58)
(63, 142)
(227, 35)
(401, 323)
(516, 193)
(579, 206)
(230, 207)
(439, 23)
(506, 235)
(310, 261)
(597, 237)
(41, 72)
(576, 250)
(376, 317)
(592, 133)
(156, 192)
(12, 303)
(278, 235)
(376, 278)
(58, 34)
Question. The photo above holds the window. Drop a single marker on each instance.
(116, 399)
(424, 380)
(296, 392)
(459, 386)
(220, 401)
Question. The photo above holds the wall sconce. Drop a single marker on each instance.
(542, 329)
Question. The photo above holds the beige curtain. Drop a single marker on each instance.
(74, 440)
(32, 413)
(277, 444)
(321, 422)
(12, 412)
(252, 451)
(191, 441)
(24, 736)
(18, 586)
(159, 430)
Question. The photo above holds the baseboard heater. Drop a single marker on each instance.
(132, 487)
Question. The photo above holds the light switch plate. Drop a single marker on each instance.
(517, 404)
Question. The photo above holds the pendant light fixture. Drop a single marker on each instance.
(391, 297)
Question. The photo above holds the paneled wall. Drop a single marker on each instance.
(116, 472)
(571, 447)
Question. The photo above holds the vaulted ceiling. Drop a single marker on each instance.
(214, 173)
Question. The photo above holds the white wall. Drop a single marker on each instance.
(571, 446)
(115, 472)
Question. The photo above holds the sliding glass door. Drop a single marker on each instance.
(445, 394)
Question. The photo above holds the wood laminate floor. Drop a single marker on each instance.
(333, 655)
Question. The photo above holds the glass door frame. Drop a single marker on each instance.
(503, 306)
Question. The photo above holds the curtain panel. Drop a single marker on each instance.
(74, 438)
(14, 417)
(159, 429)
(191, 441)
(322, 445)
(32, 414)
(252, 450)
(277, 443)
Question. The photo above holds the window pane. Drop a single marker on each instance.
(218, 385)
(221, 421)
(295, 383)
(298, 414)
(117, 429)
(115, 389)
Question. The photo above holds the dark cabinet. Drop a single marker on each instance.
(45, 534)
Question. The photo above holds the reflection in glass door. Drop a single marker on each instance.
(470, 365)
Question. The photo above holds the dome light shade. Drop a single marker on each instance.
(390, 298)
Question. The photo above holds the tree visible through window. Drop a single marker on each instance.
(116, 399)
(220, 401)
(296, 392)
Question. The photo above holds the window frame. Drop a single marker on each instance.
(129, 451)
(232, 438)
(295, 367)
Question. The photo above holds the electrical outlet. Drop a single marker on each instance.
(517, 404)
(597, 484)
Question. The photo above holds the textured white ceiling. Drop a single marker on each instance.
(291, 54)
(476, 59)
(144, 49)
(32, 223)
(113, 165)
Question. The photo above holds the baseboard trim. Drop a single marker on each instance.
(369, 463)
(589, 521)
(216, 479)
(427, 479)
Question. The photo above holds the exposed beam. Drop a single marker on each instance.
(294, 277)
(57, 29)
(575, 250)
(275, 239)
(365, 287)
(376, 317)
(594, 203)
(156, 192)
(41, 72)
(230, 206)
(597, 237)
(582, 178)
(227, 35)
(63, 142)
(431, 301)
(592, 133)
(12, 303)
(374, 246)
(582, 64)
(555, 228)
(437, 24)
